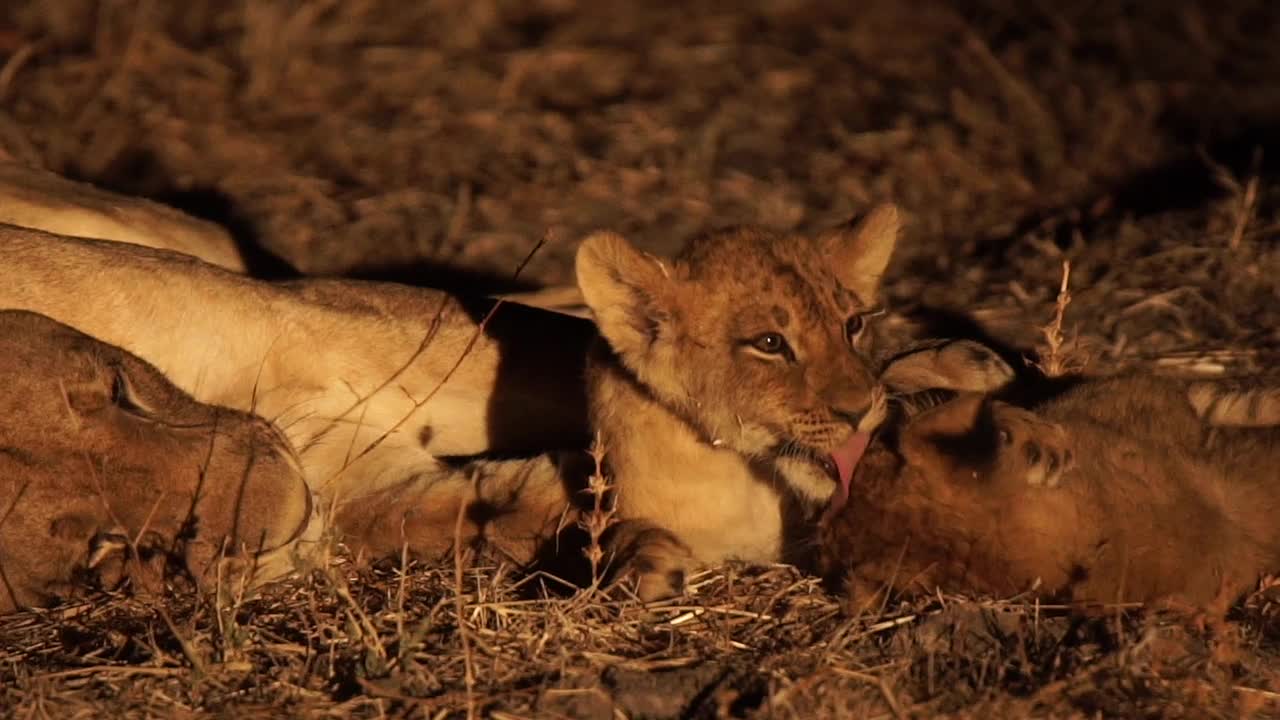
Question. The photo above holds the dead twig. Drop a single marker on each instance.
(602, 514)
(460, 609)
(1055, 355)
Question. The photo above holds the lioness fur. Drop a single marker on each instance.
(38, 199)
(373, 384)
(1127, 489)
(34, 198)
(100, 456)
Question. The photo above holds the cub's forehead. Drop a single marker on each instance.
(768, 269)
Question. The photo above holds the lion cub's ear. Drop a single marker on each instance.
(627, 291)
(860, 251)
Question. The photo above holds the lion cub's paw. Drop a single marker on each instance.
(654, 558)
(961, 365)
(1032, 450)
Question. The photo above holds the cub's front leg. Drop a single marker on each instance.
(653, 557)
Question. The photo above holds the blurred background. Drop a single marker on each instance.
(415, 141)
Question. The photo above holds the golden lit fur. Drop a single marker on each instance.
(718, 445)
(35, 198)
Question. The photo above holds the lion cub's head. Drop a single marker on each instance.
(759, 341)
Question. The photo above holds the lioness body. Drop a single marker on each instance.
(372, 383)
(1119, 490)
(30, 197)
(100, 455)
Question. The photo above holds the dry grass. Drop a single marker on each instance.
(375, 136)
(745, 642)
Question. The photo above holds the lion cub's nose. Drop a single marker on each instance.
(868, 415)
(853, 417)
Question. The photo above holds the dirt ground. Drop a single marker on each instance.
(437, 142)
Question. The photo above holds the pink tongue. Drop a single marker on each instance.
(846, 458)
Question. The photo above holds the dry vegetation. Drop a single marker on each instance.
(438, 141)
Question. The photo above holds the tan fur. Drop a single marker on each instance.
(713, 445)
(41, 200)
(34, 198)
(693, 422)
(1235, 403)
(371, 383)
(1119, 490)
(707, 437)
(99, 454)
(960, 365)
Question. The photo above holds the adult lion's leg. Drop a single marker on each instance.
(1241, 403)
(961, 365)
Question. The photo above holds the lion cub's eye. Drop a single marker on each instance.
(771, 343)
(854, 326)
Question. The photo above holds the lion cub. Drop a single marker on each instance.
(1119, 490)
(733, 385)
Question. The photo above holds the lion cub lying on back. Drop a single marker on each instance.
(1124, 489)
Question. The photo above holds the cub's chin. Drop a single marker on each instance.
(824, 477)
(812, 477)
